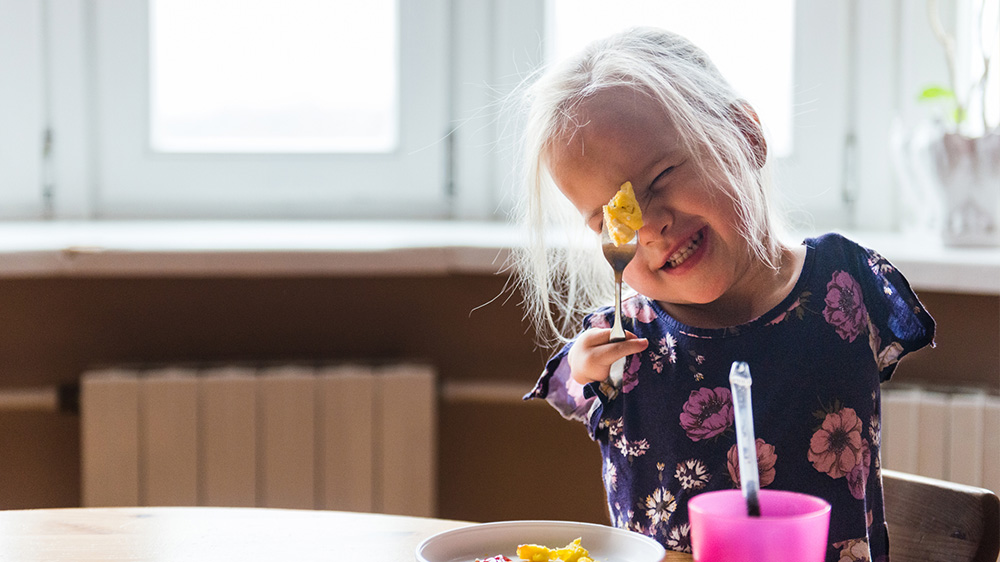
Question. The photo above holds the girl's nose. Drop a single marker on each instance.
(656, 222)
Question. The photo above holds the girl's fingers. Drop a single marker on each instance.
(610, 352)
(602, 336)
(592, 355)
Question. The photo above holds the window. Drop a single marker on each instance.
(160, 166)
(980, 40)
(154, 112)
(801, 109)
(259, 76)
(759, 65)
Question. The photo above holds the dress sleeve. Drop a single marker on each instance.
(898, 322)
(572, 400)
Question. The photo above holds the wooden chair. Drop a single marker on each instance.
(933, 520)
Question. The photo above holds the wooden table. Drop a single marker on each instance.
(216, 534)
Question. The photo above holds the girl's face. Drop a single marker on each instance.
(691, 257)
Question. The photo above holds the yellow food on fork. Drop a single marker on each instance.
(572, 552)
(622, 216)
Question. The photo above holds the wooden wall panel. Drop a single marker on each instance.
(55, 328)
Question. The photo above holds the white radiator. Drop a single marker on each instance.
(352, 437)
(951, 436)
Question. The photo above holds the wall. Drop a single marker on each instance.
(507, 460)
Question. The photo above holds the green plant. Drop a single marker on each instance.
(946, 97)
(957, 101)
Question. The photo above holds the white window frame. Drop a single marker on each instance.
(131, 181)
(22, 108)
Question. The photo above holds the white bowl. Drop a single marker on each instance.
(606, 544)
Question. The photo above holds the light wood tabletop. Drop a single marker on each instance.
(194, 534)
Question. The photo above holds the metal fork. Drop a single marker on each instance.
(618, 257)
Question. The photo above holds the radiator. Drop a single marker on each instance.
(951, 436)
(351, 437)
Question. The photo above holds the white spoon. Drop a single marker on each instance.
(746, 445)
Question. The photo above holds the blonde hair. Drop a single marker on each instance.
(563, 279)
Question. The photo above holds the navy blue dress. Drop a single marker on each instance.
(665, 429)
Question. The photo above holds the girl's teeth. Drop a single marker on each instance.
(679, 256)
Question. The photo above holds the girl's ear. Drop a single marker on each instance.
(746, 119)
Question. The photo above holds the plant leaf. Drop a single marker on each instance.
(936, 93)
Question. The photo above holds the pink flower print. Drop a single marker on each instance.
(844, 309)
(638, 308)
(599, 321)
(857, 478)
(766, 459)
(707, 413)
(835, 448)
(630, 377)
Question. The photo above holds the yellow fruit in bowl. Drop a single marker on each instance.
(572, 552)
(622, 215)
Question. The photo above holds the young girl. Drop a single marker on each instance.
(820, 324)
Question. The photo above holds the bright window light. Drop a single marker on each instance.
(752, 43)
(984, 39)
(273, 76)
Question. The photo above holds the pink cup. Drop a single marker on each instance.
(792, 526)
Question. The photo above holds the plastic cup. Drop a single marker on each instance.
(792, 526)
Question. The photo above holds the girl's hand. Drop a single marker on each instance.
(592, 354)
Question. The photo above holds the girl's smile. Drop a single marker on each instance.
(688, 254)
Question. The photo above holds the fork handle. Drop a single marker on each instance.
(617, 331)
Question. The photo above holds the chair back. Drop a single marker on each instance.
(933, 520)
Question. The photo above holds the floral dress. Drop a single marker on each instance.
(665, 429)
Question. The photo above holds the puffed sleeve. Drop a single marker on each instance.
(898, 321)
(572, 400)
(558, 388)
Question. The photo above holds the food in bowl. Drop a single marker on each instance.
(572, 552)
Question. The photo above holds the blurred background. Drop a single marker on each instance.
(199, 183)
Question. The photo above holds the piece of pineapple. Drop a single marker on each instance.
(622, 215)
(533, 552)
(572, 552)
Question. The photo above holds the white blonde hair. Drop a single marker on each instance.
(564, 280)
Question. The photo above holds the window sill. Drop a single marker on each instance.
(929, 265)
(320, 248)
(251, 248)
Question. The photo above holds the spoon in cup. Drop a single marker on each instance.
(746, 444)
